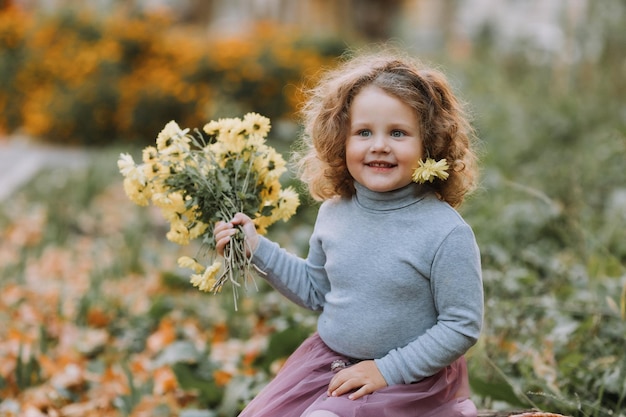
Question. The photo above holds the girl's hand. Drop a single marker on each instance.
(223, 231)
(364, 377)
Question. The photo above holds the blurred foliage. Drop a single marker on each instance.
(551, 222)
(77, 78)
(97, 319)
(550, 219)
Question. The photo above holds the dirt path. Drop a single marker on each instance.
(21, 159)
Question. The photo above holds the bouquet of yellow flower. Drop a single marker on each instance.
(199, 178)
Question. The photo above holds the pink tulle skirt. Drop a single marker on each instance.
(300, 388)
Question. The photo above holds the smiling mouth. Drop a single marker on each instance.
(380, 165)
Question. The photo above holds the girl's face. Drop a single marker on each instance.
(384, 141)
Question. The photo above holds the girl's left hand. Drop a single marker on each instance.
(364, 377)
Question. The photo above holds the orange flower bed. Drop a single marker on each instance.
(78, 78)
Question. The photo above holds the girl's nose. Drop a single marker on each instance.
(379, 144)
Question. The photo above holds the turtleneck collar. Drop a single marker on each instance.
(390, 200)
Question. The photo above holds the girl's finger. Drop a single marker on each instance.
(364, 390)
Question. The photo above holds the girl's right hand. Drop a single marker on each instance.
(224, 230)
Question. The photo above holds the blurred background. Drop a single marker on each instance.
(97, 320)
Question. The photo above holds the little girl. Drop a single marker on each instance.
(392, 267)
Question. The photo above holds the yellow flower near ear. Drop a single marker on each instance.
(430, 169)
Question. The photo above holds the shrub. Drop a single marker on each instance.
(76, 78)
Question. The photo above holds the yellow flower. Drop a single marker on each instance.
(212, 128)
(170, 202)
(207, 280)
(256, 124)
(178, 232)
(225, 127)
(160, 199)
(288, 202)
(216, 150)
(197, 229)
(196, 182)
(158, 186)
(429, 170)
(169, 135)
(177, 202)
(149, 154)
(256, 142)
(190, 263)
(271, 166)
(169, 214)
(270, 191)
(261, 223)
(151, 170)
(137, 192)
(234, 142)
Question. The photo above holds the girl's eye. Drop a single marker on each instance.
(397, 133)
(365, 133)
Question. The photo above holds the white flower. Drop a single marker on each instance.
(126, 164)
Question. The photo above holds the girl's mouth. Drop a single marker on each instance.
(380, 165)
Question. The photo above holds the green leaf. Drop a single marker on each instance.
(161, 306)
(195, 378)
(282, 344)
(174, 281)
(27, 372)
(498, 390)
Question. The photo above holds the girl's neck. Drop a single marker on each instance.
(390, 200)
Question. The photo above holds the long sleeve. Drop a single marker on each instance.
(457, 290)
(302, 281)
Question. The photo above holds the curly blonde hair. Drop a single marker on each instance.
(447, 132)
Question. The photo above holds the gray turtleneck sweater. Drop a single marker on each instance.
(396, 276)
